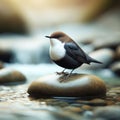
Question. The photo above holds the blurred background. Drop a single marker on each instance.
(94, 24)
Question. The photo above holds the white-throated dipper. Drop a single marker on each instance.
(66, 53)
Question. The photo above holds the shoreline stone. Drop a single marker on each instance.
(11, 76)
(107, 113)
(77, 85)
(115, 67)
(106, 56)
(1, 65)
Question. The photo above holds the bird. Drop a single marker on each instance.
(65, 52)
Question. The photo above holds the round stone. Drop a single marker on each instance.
(1, 65)
(93, 102)
(118, 53)
(10, 76)
(77, 85)
(115, 67)
(106, 56)
(107, 113)
(73, 109)
(108, 42)
(86, 107)
(6, 55)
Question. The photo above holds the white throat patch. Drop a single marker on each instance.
(57, 50)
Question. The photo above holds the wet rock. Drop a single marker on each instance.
(88, 114)
(115, 67)
(17, 111)
(77, 85)
(118, 53)
(16, 22)
(73, 109)
(1, 65)
(107, 113)
(6, 55)
(115, 90)
(87, 107)
(111, 102)
(11, 76)
(105, 56)
(108, 42)
(94, 102)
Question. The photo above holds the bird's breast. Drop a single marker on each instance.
(57, 52)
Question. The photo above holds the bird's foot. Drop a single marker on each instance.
(64, 77)
(61, 73)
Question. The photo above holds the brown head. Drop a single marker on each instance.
(60, 36)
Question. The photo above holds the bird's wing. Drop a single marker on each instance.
(76, 52)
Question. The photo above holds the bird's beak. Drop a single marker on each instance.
(47, 36)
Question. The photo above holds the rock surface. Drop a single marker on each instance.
(11, 76)
(115, 67)
(77, 85)
(5, 54)
(109, 42)
(108, 113)
(1, 65)
(105, 56)
(118, 53)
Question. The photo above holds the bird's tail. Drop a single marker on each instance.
(95, 61)
(90, 59)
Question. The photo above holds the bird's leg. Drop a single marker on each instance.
(59, 73)
(66, 76)
(70, 73)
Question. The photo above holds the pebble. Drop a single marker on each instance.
(94, 102)
(115, 67)
(88, 114)
(106, 56)
(107, 113)
(110, 102)
(73, 109)
(11, 76)
(77, 85)
(86, 107)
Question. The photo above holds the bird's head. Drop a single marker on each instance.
(59, 36)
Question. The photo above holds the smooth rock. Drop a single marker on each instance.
(77, 85)
(105, 56)
(11, 76)
(11, 19)
(118, 53)
(115, 67)
(6, 55)
(1, 65)
(94, 102)
(73, 109)
(108, 42)
(86, 107)
(107, 113)
(15, 111)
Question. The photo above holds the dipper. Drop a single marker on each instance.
(66, 53)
